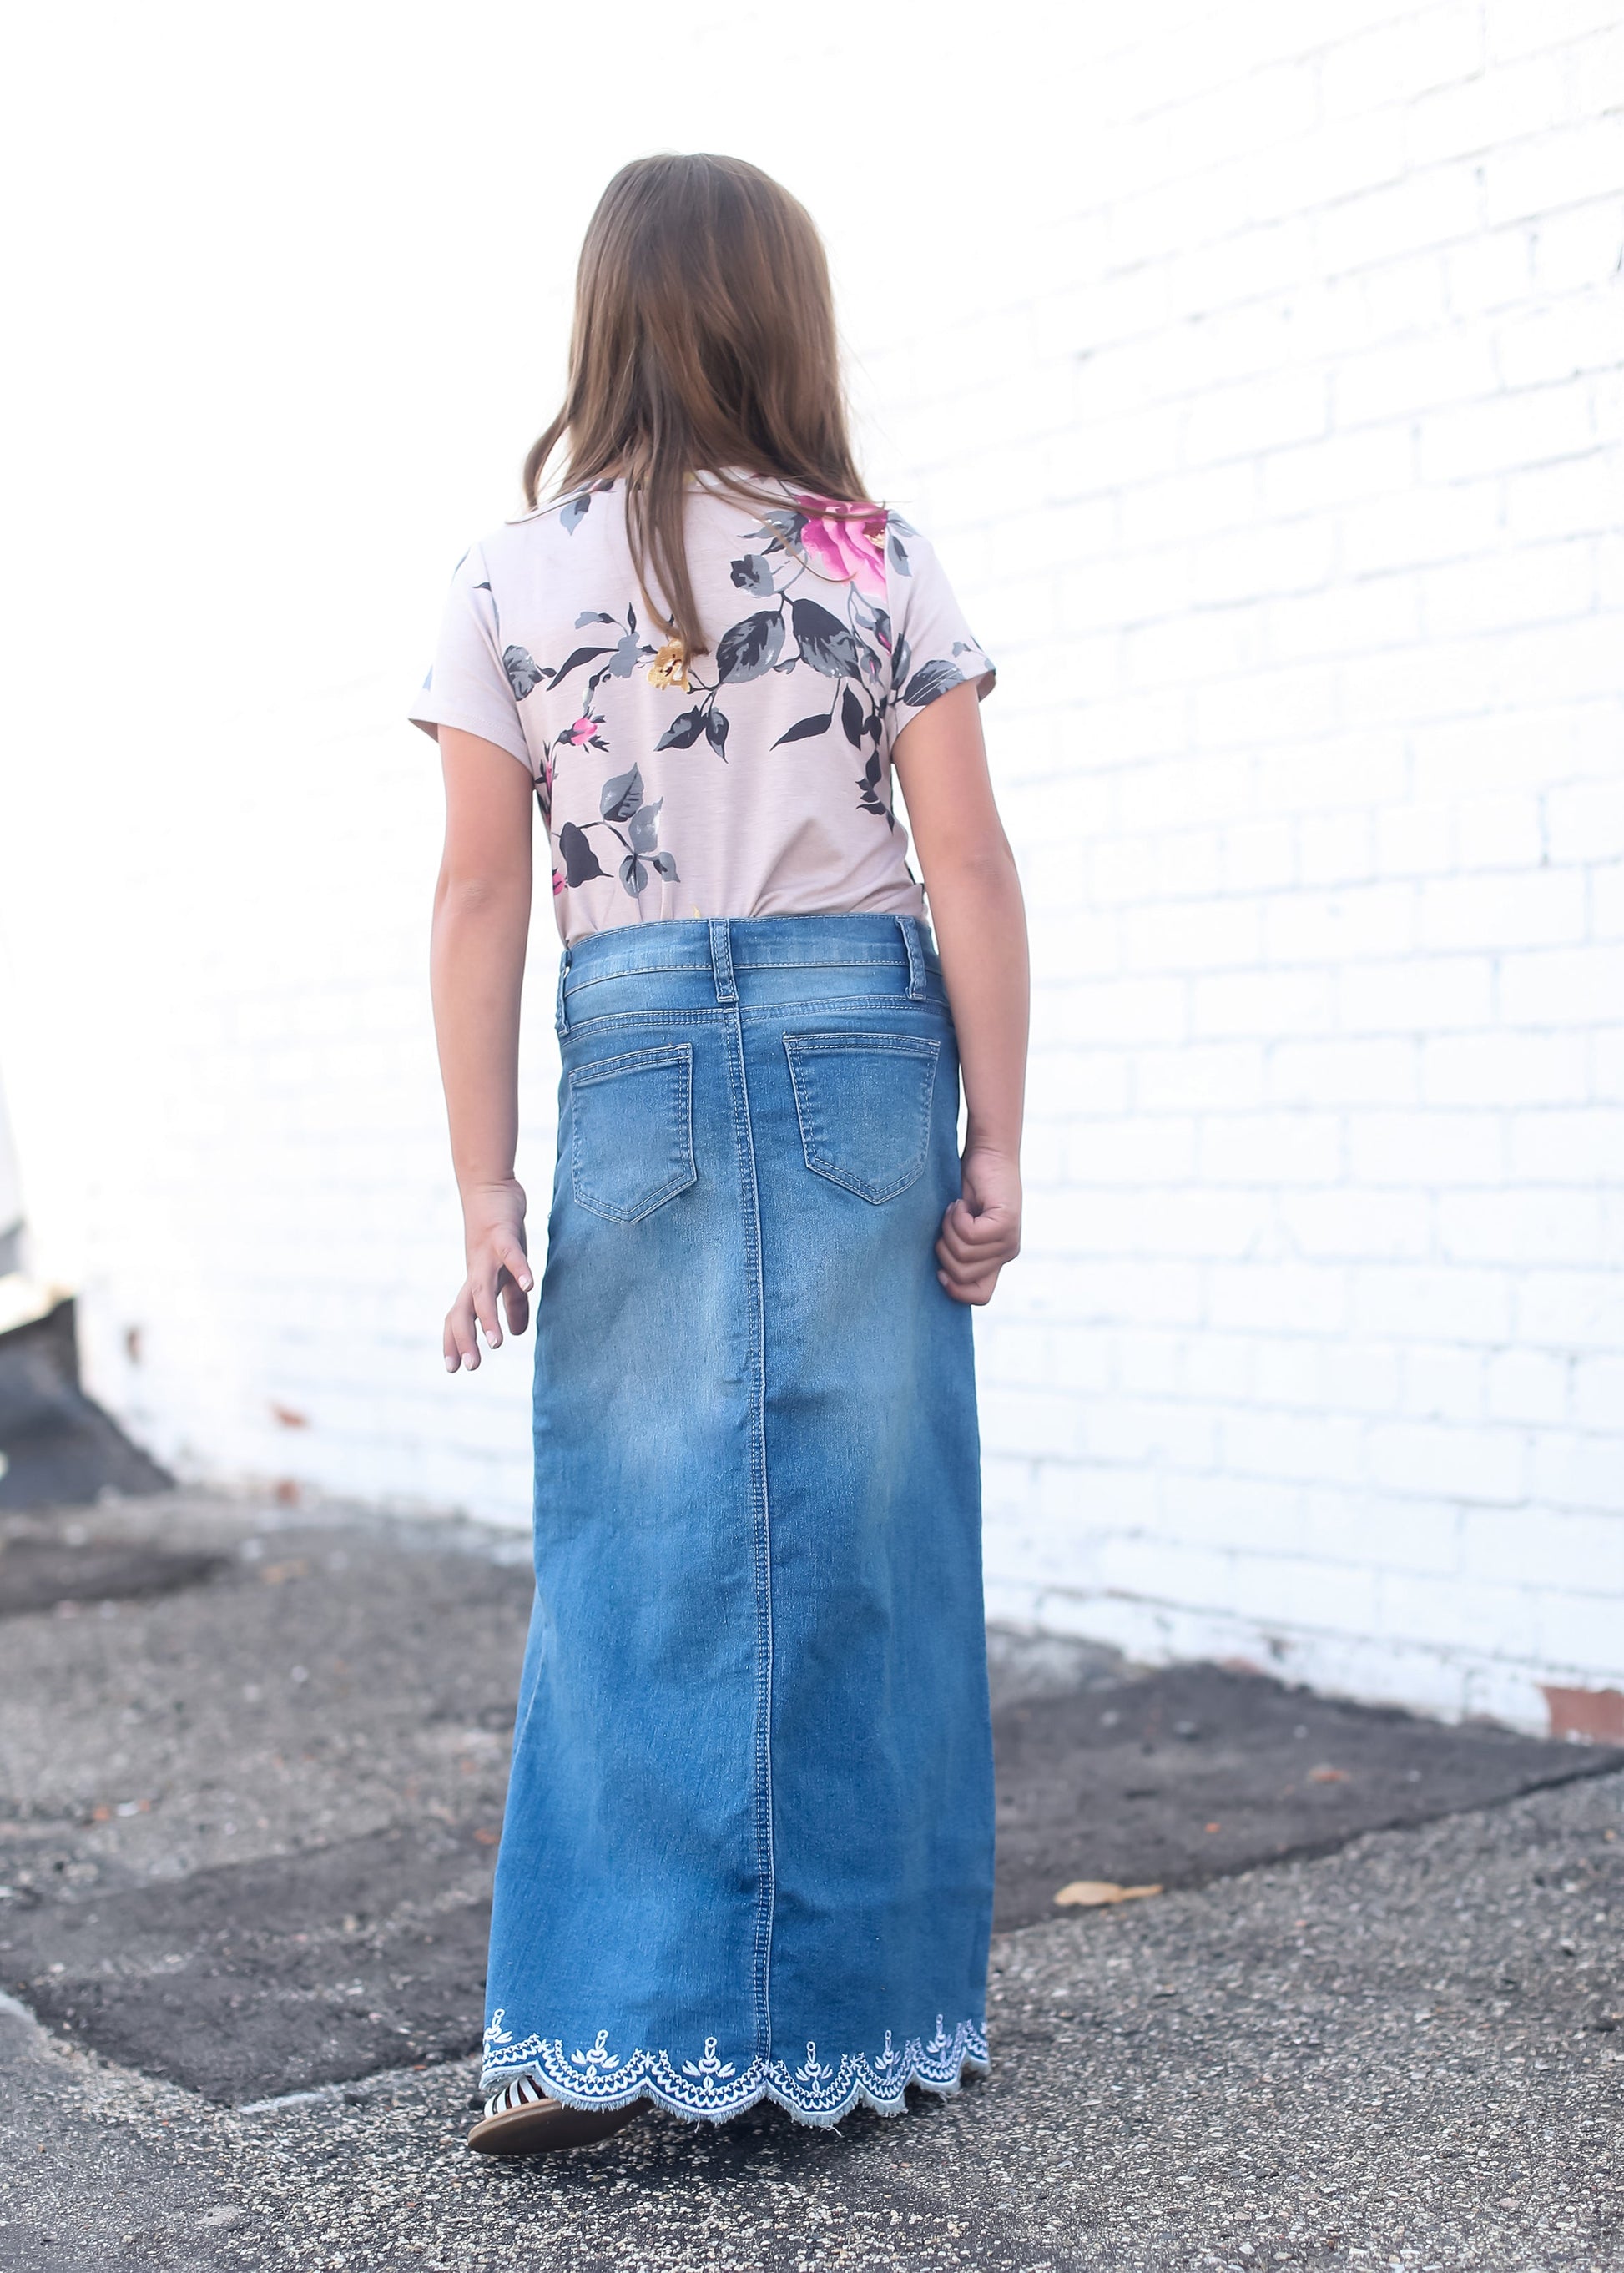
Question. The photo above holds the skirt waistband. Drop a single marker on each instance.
(724, 946)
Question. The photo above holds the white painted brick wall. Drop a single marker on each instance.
(1258, 371)
(1311, 628)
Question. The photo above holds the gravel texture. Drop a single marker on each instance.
(1198, 1771)
(1408, 2052)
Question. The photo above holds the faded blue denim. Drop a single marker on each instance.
(747, 1850)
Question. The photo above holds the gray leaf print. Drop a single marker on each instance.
(683, 732)
(627, 657)
(826, 643)
(929, 681)
(621, 797)
(644, 829)
(753, 574)
(868, 789)
(803, 729)
(524, 673)
(582, 655)
(634, 875)
(666, 867)
(580, 861)
(575, 512)
(899, 559)
(748, 649)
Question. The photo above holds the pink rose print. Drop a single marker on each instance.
(580, 734)
(849, 547)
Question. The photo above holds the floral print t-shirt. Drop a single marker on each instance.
(755, 780)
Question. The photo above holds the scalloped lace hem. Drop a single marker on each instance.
(711, 2089)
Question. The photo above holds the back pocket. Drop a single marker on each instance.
(632, 1149)
(864, 1106)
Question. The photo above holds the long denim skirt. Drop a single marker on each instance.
(748, 1850)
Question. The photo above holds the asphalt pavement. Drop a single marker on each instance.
(251, 1761)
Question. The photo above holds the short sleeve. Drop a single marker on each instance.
(933, 648)
(468, 685)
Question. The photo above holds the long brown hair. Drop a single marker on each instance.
(704, 343)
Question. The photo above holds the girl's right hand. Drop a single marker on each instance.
(499, 1275)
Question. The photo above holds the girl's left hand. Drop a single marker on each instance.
(980, 1231)
(499, 1275)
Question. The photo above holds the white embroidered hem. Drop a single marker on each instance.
(712, 2091)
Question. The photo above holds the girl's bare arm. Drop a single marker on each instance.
(482, 913)
(980, 922)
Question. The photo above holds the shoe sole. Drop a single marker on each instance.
(548, 2128)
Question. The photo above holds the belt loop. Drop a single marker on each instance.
(909, 925)
(561, 1017)
(722, 960)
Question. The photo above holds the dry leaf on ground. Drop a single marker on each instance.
(1093, 1894)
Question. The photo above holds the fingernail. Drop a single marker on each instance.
(495, 1340)
(469, 1362)
(525, 1284)
(451, 1365)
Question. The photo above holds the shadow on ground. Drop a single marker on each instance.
(55, 1444)
(318, 1958)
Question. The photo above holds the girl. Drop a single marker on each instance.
(747, 1850)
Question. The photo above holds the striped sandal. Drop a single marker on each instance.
(520, 2119)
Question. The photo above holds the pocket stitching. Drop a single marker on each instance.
(679, 1057)
(797, 1047)
(597, 1069)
